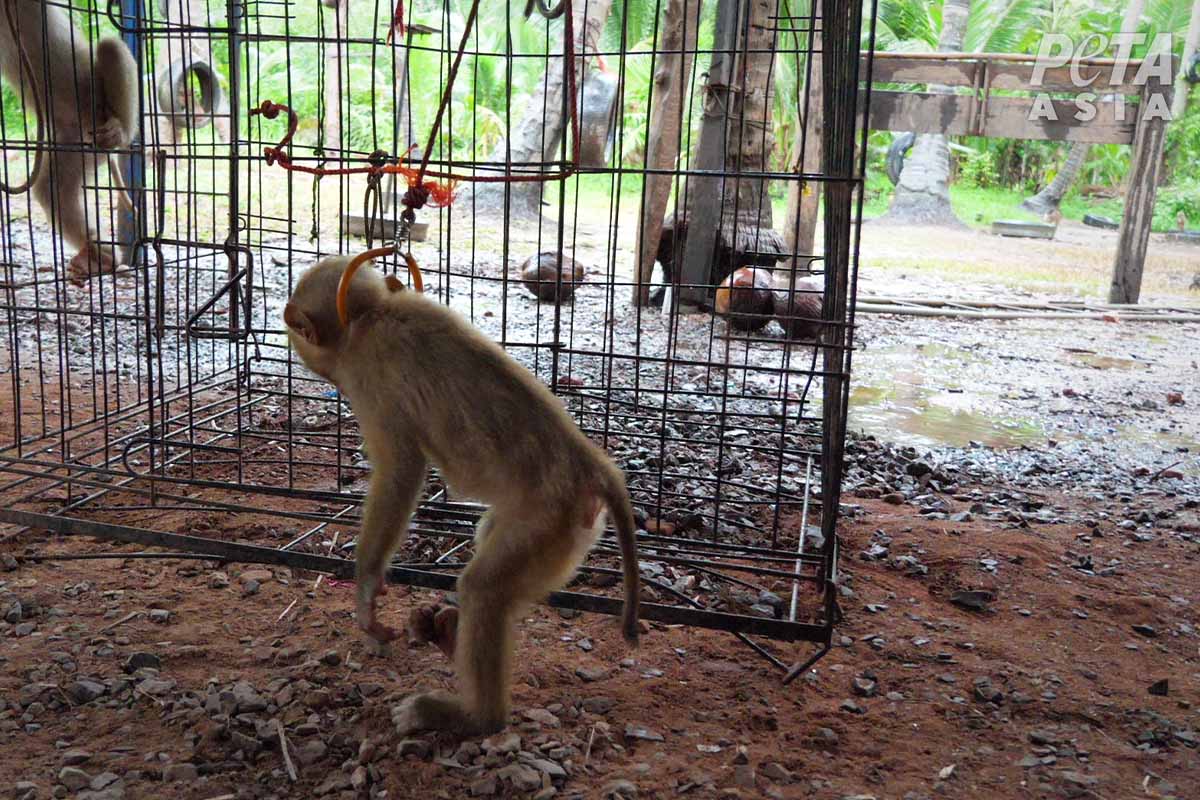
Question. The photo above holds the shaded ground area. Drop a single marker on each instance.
(141, 673)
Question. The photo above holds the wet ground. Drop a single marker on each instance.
(1123, 392)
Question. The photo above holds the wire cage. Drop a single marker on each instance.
(536, 165)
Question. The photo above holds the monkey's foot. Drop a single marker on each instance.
(110, 135)
(437, 711)
(88, 262)
(437, 624)
(369, 592)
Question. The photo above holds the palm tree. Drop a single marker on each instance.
(537, 137)
(923, 194)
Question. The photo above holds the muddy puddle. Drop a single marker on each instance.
(920, 396)
(939, 395)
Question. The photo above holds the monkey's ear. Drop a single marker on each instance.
(299, 322)
(393, 283)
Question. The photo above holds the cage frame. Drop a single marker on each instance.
(144, 426)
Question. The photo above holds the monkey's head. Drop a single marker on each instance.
(314, 330)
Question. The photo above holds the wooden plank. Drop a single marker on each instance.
(705, 194)
(386, 230)
(920, 70)
(1006, 117)
(1015, 76)
(1029, 230)
(672, 81)
(1006, 75)
(1134, 237)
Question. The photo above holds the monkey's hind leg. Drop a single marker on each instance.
(59, 191)
(514, 565)
(117, 86)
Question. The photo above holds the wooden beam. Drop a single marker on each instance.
(803, 198)
(705, 194)
(672, 82)
(1139, 200)
(1001, 117)
(1006, 75)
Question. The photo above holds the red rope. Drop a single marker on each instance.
(398, 26)
(439, 192)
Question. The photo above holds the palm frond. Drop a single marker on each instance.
(1005, 26)
(906, 20)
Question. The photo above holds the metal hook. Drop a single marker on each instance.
(545, 10)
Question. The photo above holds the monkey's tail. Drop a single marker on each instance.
(616, 497)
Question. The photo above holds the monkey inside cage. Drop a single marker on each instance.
(624, 195)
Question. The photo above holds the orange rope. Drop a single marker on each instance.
(343, 288)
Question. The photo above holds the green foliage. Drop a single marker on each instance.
(1106, 165)
(1183, 142)
(282, 61)
(1181, 197)
(1005, 26)
(978, 169)
(905, 26)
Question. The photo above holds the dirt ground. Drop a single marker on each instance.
(1045, 694)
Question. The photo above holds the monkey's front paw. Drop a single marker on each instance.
(437, 624)
(111, 135)
(369, 591)
(88, 262)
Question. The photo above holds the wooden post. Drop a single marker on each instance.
(705, 193)
(335, 75)
(402, 119)
(804, 199)
(1139, 202)
(672, 79)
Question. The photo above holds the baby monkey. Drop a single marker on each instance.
(426, 386)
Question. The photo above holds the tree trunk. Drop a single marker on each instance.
(1191, 42)
(672, 79)
(751, 139)
(923, 194)
(804, 199)
(536, 137)
(1052, 194)
(729, 220)
(405, 136)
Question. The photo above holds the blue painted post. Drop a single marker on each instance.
(133, 167)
